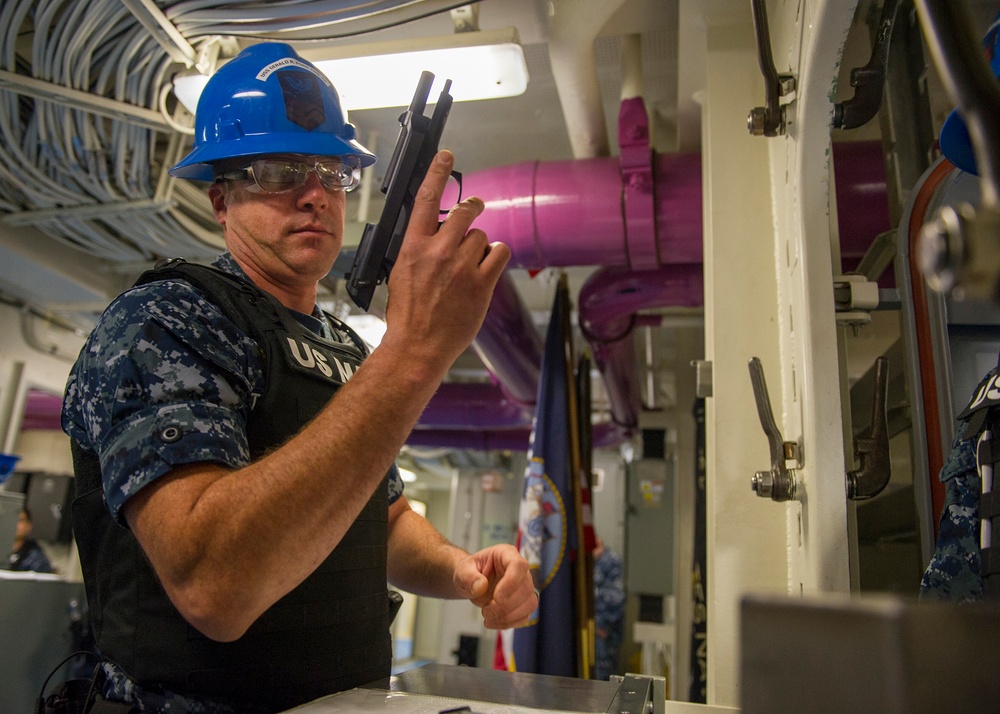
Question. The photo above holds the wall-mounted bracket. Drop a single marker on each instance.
(854, 298)
(872, 449)
(868, 81)
(768, 120)
(778, 483)
(702, 378)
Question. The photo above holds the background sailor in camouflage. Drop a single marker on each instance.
(609, 610)
(26, 554)
(954, 571)
(238, 509)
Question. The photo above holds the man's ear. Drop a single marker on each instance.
(217, 194)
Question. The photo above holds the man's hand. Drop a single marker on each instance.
(444, 276)
(497, 580)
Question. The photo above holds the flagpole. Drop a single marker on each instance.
(584, 662)
(586, 485)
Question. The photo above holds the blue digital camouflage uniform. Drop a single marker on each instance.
(162, 355)
(30, 556)
(609, 612)
(953, 573)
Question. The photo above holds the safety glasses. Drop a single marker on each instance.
(280, 174)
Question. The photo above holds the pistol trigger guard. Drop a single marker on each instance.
(457, 175)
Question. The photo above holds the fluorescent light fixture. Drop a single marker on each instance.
(407, 475)
(481, 65)
(187, 89)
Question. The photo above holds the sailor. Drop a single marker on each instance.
(238, 510)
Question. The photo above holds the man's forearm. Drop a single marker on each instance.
(421, 560)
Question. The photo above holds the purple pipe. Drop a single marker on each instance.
(479, 439)
(606, 435)
(569, 213)
(609, 303)
(611, 297)
(473, 405)
(509, 345)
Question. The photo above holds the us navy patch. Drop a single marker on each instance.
(323, 360)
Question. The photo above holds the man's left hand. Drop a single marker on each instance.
(498, 581)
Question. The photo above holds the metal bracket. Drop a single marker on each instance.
(768, 120)
(868, 81)
(466, 18)
(639, 694)
(702, 378)
(854, 297)
(778, 484)
(872, 449)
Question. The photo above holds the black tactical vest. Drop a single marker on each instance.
(329, 634)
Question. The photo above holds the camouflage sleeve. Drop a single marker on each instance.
(395, 484)
(953, 572)
(164, 380)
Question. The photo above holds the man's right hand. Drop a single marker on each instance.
(443, 279)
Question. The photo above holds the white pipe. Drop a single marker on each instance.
(631, 67)
(575, 26)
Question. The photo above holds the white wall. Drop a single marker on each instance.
(33, 355)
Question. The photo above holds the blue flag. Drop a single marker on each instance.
(547, 525)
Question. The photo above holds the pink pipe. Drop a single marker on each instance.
(609, 304)
(509, 345)
(605, 435)
(569, 213)
(611, 297)
(473, 405)
(482, 440)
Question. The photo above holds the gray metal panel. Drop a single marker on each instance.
(517, 689)
(49, 500)
(885, 654)
(35, 631)
(650, 566)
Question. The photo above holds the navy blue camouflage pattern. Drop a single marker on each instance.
(609, 612)
(118, 687)
(953, 573)
(29, 556)
(165, 362)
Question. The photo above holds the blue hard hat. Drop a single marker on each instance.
(268, 100)
(955, 141)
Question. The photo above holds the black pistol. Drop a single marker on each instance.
(415, 148)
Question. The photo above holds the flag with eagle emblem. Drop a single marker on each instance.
(547, 535)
